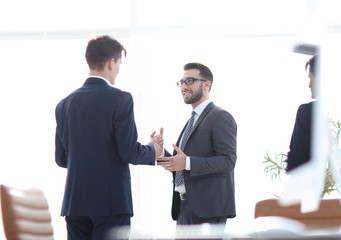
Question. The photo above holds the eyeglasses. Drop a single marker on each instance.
(189, 81)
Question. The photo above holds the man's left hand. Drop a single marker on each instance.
(175, 163)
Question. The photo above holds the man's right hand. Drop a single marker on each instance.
(157, 141)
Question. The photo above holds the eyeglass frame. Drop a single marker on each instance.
(191, 79)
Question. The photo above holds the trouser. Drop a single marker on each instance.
(186, 216)
(214, 229)
(94, 227)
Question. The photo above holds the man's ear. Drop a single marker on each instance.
(111, 63)
(208, 84)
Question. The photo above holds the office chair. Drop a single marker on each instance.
(25, 214)
(327, 216)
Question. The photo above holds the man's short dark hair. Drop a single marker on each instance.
(101, 49)
(205, 72)
(311, 63)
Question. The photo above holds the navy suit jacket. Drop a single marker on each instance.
(300, 140)
(212, 149)
(96, 139)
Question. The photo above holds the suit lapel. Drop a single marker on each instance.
(201, 117)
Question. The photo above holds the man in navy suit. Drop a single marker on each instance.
(204, 156)
(96, 139)
(301, 136)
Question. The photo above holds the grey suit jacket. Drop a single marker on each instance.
(212, 149)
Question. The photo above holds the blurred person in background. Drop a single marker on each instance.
(300, 152)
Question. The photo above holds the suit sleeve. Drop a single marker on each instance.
(60, 153)
(224, 145)
(129, 149)
(300, 140)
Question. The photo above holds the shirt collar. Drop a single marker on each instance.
(200, 108)
(104, 79)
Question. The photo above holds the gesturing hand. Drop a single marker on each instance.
(157, 141)
(175, 163)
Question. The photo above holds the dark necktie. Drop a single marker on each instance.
(179, 176)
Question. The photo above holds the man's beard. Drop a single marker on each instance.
(197, 95)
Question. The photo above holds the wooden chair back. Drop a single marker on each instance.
(25, 214)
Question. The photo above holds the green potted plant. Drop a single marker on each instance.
(275, 165)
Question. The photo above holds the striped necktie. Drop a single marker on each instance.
(179, 176)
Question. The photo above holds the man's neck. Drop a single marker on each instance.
(194, 105)
(102, 74)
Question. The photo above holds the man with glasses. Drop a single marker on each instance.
(204, 156)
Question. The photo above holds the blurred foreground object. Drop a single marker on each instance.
(328, 215)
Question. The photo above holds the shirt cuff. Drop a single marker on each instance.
(188, 163)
